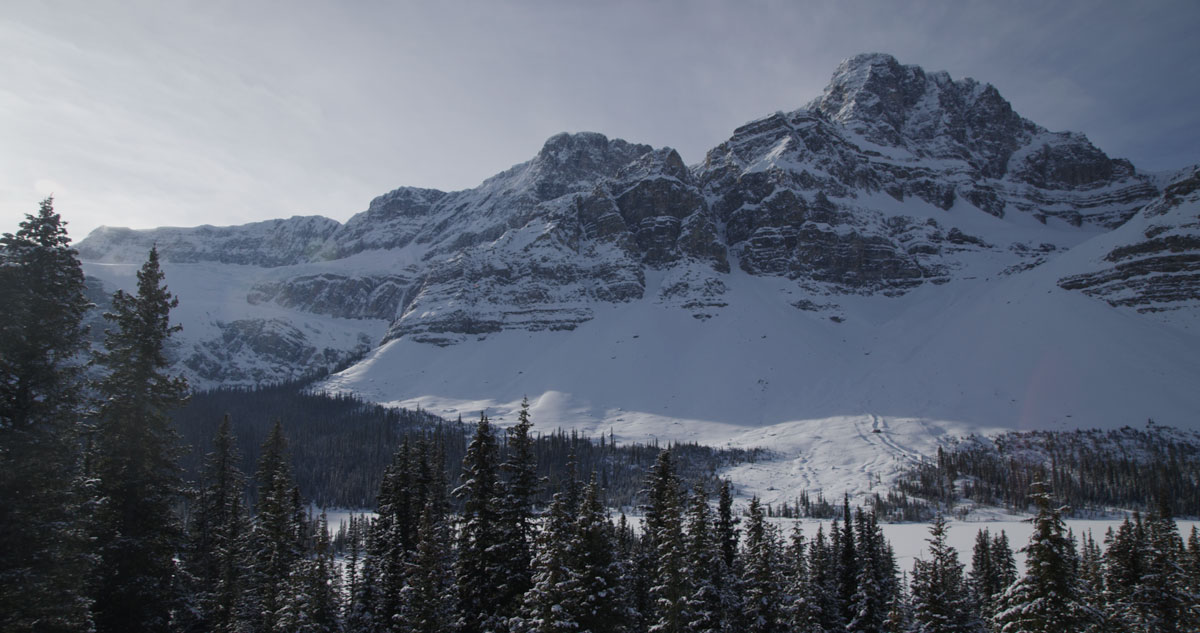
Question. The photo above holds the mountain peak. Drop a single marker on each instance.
(565, 146)
(874, 87)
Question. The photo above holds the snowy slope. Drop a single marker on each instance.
(1014, 352)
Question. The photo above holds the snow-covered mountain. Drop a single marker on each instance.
(903, 258)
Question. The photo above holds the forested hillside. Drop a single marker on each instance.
(341, 445)
(1090, 470)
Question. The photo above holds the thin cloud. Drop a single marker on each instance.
(152, 114)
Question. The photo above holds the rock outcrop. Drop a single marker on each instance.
(1156, 265)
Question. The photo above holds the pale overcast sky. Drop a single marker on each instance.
(165, 113)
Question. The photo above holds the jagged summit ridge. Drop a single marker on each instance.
(930, 114)
(892, 180)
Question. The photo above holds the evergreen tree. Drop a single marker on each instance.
(665, 543)
(727, 532)
(516, 510)
(603, 604)
(309, 600)
(1048, 597)
(803, 605)
(1005, 565)
(876, 575)
(430, 578)
(395, 536)
(847, 567)
(277, 540)
(479, 570)
(554, 603)
(136, 461)
(44, 551)
(1160, 595)
(363, 592)
(761, 593)
(940, 600)
(983, 581)
(900, 616)
(705, 565)
(216, 537)
(823, 581)
(1091, 577)
(1124, 565)
(1192, 567)
(352, 571)
(637, 574)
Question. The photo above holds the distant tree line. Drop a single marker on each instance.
(341, 445)
(1090, 470)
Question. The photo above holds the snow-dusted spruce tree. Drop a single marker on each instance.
(395, 536)
(309, 600)
(216, 552)
(671, 586)
(727, 530)
(803, 609)
(762, 595)
(45, 562)
(983, 582)
(1161, 598)
(899, 618)
(517, 512)
(603, 602)
(847, 564)
(276, 539)
(705, 566)
(823, 579)
(940, 600)
(1123, 565)
(135, 461)
(352, 569)
(636, 573)
(363, 593)
(554, 603)
(1091, 572)
(1192, 565)
(876, 581)
(479, 571)
(1047, 598)
(1005, 565)
(430, 578)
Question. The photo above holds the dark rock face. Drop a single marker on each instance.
(337, 295)
(263, 350)
(1073, 163)
(1157, 268)
(392, 220)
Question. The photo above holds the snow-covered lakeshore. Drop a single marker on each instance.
(909, 540)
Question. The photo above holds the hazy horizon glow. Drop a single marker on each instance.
(148, 114)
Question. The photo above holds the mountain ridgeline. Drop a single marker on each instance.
(893, 179)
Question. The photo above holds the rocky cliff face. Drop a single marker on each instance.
(1154, 265)
(892, 179)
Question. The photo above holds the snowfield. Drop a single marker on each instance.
(843, 406)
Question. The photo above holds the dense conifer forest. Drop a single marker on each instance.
(342, 445)
(1091, 471)
(475, 529)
